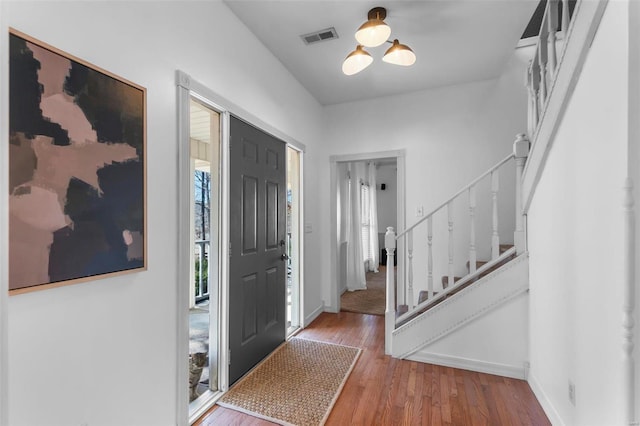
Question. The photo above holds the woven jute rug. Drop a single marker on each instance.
(370, 301)
(296, 385)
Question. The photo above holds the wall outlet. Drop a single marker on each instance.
(572, 393)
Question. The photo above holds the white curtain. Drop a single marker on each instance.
(343, 222)
(356, 279)
(374, 250)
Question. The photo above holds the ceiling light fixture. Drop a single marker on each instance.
(356, 61)
(373, 33)
(399, 54)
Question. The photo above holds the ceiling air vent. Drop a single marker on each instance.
(317, 36)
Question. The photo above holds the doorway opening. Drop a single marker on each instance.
(367, 205)
(204, 285)
(205, 251)
(350, 177)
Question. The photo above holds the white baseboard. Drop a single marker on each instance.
(544, 401)
(504, 370)
(313, 315)
(331, 308)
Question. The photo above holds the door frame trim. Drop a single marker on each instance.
(301, 317)
(4, 221)
(399, 155)
(187, 87)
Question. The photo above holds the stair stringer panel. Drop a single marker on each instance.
(466, 306)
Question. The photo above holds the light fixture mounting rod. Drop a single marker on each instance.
(377, 13)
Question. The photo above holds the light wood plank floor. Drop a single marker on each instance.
(385, 391)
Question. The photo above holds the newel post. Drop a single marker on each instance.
(521, 152)
(390, 311)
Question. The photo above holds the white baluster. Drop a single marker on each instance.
(553, 28)
(527, 85)
(533, 111)
(542, 47)
(520, 151)
(535, 85)
(410, 268)
(543, 73)
(628, 302)
(472, 229)
(450, 220)
(565, 19)
(430, 257)
(200, 266)
(495, 239)
(390, 311)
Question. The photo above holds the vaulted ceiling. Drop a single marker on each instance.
(455, 42)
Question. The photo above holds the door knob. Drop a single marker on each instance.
(284, 256)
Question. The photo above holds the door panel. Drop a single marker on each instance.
(249, 308)
(257, 283)
(272, 285)
(249, 215)
(272, 216)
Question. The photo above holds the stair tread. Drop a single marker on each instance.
(479, 263)
(424, 295)
(401, 310)
(445, 280)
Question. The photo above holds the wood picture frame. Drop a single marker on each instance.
(77, 169)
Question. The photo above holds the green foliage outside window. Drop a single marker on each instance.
(205, 275)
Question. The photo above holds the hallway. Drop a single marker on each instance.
(382, 390)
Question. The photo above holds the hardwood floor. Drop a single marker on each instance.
(385, 391)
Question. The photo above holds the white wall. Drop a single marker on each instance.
(451, 135)
(104, 352)
(494, 343)
(575, 241)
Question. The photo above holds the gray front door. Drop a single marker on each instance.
(257, 282)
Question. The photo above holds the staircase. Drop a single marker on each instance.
(477, 311)
(425, 312)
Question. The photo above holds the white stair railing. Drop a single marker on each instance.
(543, 68)
(520, 152)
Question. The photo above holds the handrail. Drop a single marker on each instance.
(457, 194)
(405, 290)
(432, 301)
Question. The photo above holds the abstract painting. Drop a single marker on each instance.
(77, 186)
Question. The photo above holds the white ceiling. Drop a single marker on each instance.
(455, 42)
